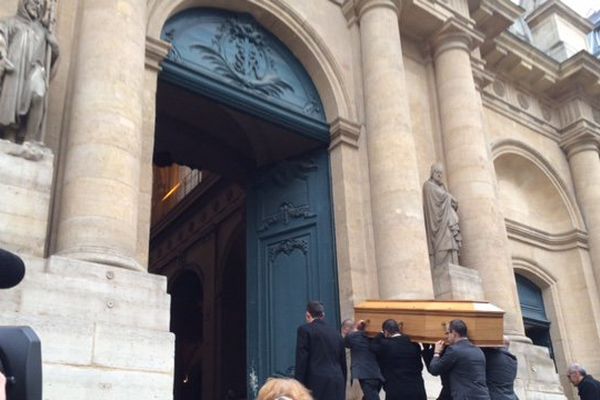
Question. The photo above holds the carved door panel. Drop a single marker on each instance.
(290, 260)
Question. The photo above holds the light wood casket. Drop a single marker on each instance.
(426, 321)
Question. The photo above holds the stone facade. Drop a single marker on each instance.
(403, 85)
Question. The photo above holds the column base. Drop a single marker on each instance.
(102, 255)
(536, 377)
(454, 282)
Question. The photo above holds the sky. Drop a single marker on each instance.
(583, 7)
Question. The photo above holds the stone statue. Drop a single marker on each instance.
(28, 55)
(441, 220)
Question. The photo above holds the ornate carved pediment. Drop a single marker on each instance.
(236, 50)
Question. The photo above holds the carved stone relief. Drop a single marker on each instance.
(287, 247)
(523, 101)
(499, 88)
(286, 212)
(238, 50)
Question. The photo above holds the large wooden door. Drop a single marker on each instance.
(290, 260)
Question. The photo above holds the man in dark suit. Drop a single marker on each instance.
(500, 372)
(587, 386)
(464, 363)
(427, 354)
(400, 363)
(364, 365)
(320, 356)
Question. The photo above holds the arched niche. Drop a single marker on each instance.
(295, 33)
(231, 58)
(529, 197)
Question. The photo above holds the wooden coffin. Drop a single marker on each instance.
(426, 321)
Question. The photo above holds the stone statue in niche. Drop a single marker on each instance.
(28, 55)
(441, 220)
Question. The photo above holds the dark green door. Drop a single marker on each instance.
(290, 260)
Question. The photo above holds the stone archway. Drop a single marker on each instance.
(334, 88)
(259, 127)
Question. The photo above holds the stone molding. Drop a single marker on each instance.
(581, 136)
(542, 114)
(526, 65)
(493, 17)
(354, 9)
(481, 75)
(344, 132)
(156, 51)
(292, 28)
(545, 10)
(101, 255)
(511, 146)
(455, 34)
(563, 241)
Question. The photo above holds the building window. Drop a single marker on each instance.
(537, 325)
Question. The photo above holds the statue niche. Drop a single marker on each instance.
(28, 55)
(441, 220)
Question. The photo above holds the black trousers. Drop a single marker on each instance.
(370, 388)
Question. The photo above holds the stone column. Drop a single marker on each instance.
(399, 231)
(470, 173)
(156, 51)
(99, 203)
(584, 162)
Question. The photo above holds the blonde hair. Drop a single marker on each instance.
(283, 389)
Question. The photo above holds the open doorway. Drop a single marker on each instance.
(242, 215)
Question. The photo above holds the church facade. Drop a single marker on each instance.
(209, 166)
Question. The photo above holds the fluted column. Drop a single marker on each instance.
(584, 162)
(471, 178)
(99, 203)
(398, 227)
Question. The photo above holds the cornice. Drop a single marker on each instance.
(455, 33)
(156, 51)
(556, 6)
(520, 62)
(509, 110)
(529, 67)
(344, 132)
(549, 241)
(580, 136)
(354, 9)
(493, 17)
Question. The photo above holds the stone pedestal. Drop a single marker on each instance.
(104, 330)
(536, 376)
(25, 187)
(453, 282)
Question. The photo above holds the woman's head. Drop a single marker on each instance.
(283, 389)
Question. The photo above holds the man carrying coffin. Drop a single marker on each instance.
(463, 362)
(400, 362)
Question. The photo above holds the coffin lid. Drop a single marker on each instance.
(456, 307)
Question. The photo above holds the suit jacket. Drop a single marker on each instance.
(465, 365)
(321, 360)
(589, 388)
(445, 394)
(363, 362)
(501, 371)
(400, 363)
